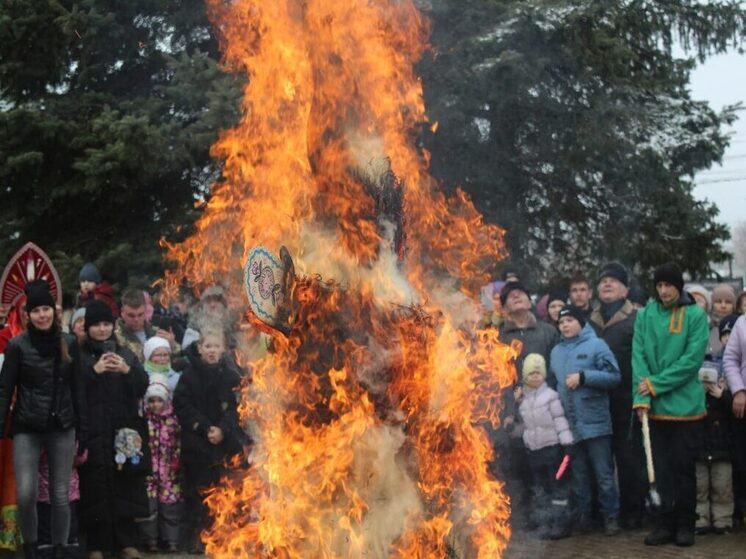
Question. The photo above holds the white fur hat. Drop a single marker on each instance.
(154, 343)
(158, 388)
(699, 289)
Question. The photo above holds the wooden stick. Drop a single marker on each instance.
(648, 449)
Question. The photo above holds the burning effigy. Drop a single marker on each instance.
(368, 412)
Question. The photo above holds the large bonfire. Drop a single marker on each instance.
(369, 411)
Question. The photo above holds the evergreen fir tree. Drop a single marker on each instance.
(108, 113)
(571, 125)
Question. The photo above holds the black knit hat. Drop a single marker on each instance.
(670, 273)
(638, 295)
(97, 311)
(556, 295)
(38, 295)
(512, 286)
(613, 270)
(573, 312)
(726, 325)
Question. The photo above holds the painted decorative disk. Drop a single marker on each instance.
(263, 275)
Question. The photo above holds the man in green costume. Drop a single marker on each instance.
(668, 348)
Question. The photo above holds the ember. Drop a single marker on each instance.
(368, 412)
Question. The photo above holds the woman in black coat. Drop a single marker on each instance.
(40, 368)
(205, 402)
(113, 478)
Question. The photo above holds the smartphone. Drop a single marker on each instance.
(110, 346)
(163, 322)
(708, 373)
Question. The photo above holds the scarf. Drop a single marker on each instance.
(608, 310)
(46, 342)
(155, 368)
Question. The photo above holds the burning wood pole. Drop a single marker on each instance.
(369, 411)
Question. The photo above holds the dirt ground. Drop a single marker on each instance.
(627, 545)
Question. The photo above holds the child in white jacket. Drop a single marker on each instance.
(546, 433)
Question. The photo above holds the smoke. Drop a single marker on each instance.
(460, 309)
(324, 255)
(368, 156)
(373, 364)
(381, 479)
(378, 481)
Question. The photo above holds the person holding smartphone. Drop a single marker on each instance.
(113, 489)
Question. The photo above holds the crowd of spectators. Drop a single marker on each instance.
(618, 390)
(129, 410)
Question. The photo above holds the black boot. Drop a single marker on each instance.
(631, 523)
(611, 526)
(660, 536)
(561, 528)
(684, 536)
(29, 550)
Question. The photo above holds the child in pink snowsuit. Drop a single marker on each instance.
(164, 488)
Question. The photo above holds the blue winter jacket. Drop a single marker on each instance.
(586, 407)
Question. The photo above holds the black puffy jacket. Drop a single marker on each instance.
(718, 437)
(205, 396)
(49, 392)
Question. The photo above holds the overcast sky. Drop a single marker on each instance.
(722, 81)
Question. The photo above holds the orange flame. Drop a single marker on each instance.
(367, 416)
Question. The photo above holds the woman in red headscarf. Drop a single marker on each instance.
(15, 324)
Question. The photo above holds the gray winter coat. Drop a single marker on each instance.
(537, 337)
(544, 419)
